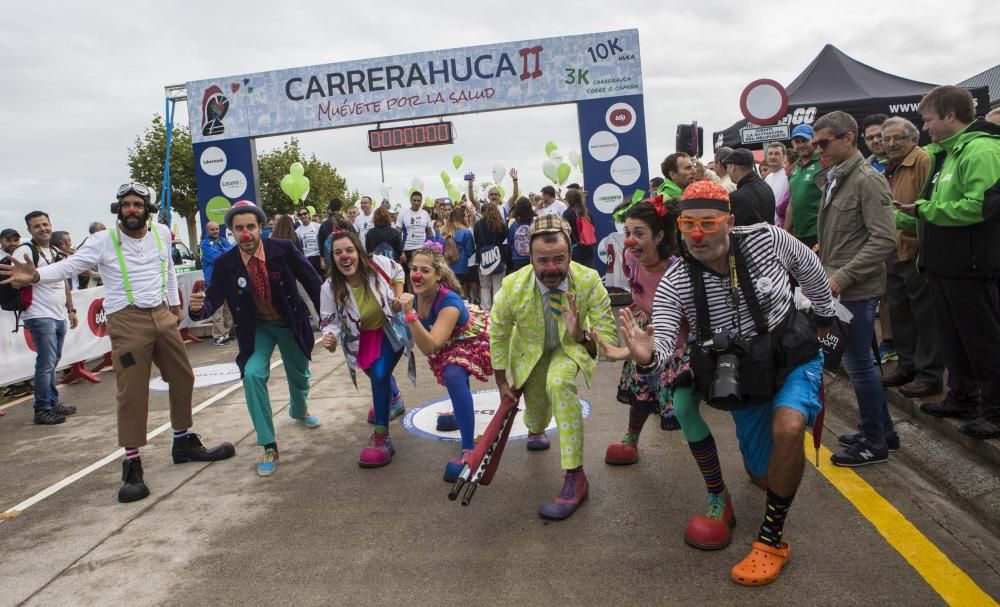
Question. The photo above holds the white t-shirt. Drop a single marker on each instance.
(779, 185)
(557, 207)
(142, 262)
(309, 235)
(48, 300)
(364, 223)
(414, 225)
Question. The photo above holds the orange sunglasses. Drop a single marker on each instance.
(707, 226)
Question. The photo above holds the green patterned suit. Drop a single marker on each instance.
(548, 378)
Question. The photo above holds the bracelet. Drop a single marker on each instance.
(412, 316)
(71, 310)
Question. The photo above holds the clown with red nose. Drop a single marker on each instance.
(258, 280)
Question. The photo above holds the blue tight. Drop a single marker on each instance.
(456, 379)
(380, 374)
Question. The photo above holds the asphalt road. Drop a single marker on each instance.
(323, 531)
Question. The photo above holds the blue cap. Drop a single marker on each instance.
(803, 130)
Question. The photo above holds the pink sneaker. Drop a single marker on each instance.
(378, 453)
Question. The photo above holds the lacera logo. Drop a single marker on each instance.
(97, 320)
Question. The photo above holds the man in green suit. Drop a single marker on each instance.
(540, 334)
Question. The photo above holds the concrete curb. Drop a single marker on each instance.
(945, 427)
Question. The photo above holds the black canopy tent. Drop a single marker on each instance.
(834, 81)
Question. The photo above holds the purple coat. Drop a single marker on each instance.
(231, 285)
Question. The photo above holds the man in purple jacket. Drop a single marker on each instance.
(256, 279)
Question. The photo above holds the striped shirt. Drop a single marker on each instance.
(771, 256)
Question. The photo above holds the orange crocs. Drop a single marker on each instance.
(762, 565)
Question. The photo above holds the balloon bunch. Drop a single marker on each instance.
(557, 169)
(295, 184)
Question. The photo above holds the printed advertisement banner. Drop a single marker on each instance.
(474, 79)
(88, 341)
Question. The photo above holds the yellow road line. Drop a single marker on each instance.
(944, 576)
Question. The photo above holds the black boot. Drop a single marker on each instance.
(133, 489)
(189, 449)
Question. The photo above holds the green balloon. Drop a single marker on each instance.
(549, 146)
(456, 161)
(311, 209)
(503, 194)
(454, 194)
(445, 178)
(288, 186)
(562, 173)
(297, 169)
(302, 187)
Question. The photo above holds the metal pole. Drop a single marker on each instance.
(381, 166)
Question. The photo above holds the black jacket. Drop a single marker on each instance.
(231, 285)
(753, 201)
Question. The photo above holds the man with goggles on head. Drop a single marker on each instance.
(751, 353)
(143, 310)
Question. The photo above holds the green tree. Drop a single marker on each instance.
(324, 181)
(145, 162)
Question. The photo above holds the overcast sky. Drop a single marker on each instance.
(81, 80)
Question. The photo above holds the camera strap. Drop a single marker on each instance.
(740, 277)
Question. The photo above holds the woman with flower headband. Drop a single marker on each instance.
(650, 248)
(359, 305)
(454, 337)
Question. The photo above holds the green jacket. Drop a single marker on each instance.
(669, 189)
(954, 239)
(517, 322)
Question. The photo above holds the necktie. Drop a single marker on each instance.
(555, 302)
(258, 280)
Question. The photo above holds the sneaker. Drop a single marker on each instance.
(221, 341)
(309, 420)
(891, 440)
(268, 463)
(396, 408)
(574, 492)
(48, 418)
(378, 453)
(133, 488)
(64, 409)
(538, 442)
(886, 353)
(860, 454)
(188, 448)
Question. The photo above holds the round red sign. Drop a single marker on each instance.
(763, 101)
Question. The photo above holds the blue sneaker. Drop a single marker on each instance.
(886, 353)
(310, 420)
(269, 463)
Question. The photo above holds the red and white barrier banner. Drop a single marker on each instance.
(88, 341)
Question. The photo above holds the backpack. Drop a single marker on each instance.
(586, 231)
(451, 254)
(522, 240)
(17, 300)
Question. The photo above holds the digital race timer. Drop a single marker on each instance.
(413, 136)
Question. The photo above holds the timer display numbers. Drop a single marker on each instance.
(412, 136)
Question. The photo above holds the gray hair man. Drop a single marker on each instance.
(856, 230)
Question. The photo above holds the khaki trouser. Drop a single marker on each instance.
(222, 321)
(139, 338)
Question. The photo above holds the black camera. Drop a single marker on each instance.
(722, 354)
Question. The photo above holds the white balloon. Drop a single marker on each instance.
(499, 171)
(417, 184)
(384, 190)
(574, 158)
(556, 157)
(551, 170)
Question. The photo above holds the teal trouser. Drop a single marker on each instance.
(257, 371)
(552, 387)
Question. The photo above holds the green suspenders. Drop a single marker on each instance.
(116, 239)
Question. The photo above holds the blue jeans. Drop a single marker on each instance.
(48, 335)
(874, 422)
